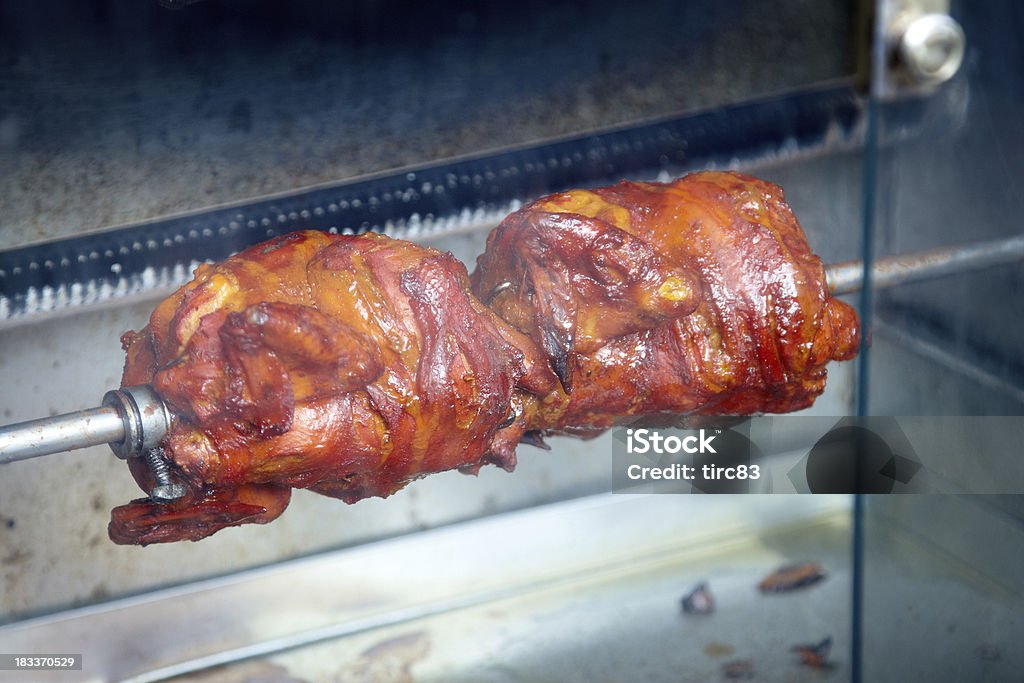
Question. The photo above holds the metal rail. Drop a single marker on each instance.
(411, 203)
(848, 277)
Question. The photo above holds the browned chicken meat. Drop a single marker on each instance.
(348, 365)
(352, 365)
(696, 296)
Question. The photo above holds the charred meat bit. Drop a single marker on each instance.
(816, 655)
(792, 577)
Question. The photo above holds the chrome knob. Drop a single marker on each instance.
(931, 48)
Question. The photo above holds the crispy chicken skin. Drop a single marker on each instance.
(352, 365)
(348, 365)
(699, 296)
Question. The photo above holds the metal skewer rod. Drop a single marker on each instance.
(134, 420)
(60, 433)
(848, 277)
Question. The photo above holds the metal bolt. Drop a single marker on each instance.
(931, 48)
(166, 489)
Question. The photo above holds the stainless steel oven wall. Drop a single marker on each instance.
(113, 112)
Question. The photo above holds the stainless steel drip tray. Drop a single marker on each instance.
(583, 590)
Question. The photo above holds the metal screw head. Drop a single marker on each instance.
(167, 493)
(931, 48)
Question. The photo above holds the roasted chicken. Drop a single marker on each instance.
(348, 365)
(351, 365)
(699, 296)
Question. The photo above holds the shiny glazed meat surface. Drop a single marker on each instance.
(696, 296)
(352, 365)
(348, 365)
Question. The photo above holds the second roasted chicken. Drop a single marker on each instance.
(699, 296)
(351, 365)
